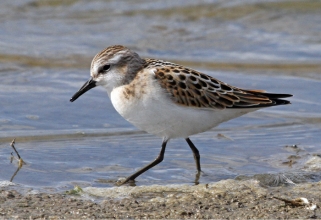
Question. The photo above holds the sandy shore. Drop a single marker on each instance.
(225, 199)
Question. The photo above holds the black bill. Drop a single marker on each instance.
(87, 86)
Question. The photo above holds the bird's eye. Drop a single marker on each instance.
(106, 67)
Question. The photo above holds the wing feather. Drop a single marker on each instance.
(194, 89)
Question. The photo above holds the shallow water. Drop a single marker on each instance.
(46, 49)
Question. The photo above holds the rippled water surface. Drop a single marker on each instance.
(45, 52)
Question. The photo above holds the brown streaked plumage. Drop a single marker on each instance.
(194, 89)
(170, 100)
(107, 53)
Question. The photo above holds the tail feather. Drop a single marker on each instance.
(270, 99)
(278, 98)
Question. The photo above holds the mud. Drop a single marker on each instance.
(225, 199)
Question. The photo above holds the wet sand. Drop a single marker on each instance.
(225, 199)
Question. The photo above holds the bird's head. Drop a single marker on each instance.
(112, 67)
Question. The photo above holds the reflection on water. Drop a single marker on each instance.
(45, 52)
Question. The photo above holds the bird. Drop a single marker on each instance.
(169, 100)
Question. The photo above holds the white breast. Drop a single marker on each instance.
(151, 109)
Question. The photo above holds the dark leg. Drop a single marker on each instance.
(197, 178)
(152, 164)
(196, 154)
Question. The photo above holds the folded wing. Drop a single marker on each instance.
(194, 89)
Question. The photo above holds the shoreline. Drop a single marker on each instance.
(225, 199)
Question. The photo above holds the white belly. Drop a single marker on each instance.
(155, 113)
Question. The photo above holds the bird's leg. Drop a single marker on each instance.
(152, 164)
(197, 178)
(196, 155)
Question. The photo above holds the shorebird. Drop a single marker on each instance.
(169, 100)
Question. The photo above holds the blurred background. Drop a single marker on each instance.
(46, 47)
